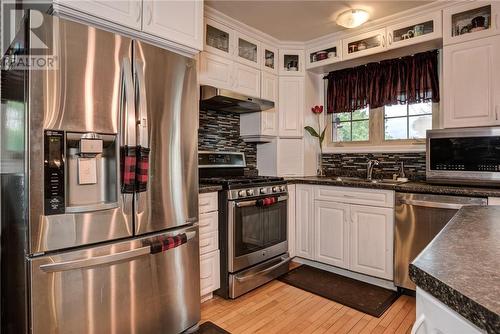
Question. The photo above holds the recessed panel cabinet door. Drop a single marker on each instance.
(269, 91)
(371, 241)
(471, 83)
(291, 106)
(331, 233)
(304, 220)
(124, 12)
(177, 21)
(215, 71)
(246, 80)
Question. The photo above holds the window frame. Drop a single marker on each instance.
(377, 142)
(351, 121)
(407, 117)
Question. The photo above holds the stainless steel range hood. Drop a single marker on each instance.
(218, 99)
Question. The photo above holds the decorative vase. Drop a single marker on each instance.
(320, 171)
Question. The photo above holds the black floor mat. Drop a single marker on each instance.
(210, 328)
(361, 296)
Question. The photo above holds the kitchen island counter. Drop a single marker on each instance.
(460, 267)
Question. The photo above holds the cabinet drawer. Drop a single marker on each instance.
(383, 198)
(209, 242)
(209, 222)
(208, 202)
(209, 272)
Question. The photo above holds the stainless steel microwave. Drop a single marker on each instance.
(467, 156)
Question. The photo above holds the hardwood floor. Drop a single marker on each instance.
(280, 308)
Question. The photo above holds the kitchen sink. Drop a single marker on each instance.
(376, 181)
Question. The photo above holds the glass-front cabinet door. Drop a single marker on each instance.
(247, 50)
(269, 59)
(291, 62)
(364, 44)
(471, 20)
(417, 30)
(219, 39)
(324, 55)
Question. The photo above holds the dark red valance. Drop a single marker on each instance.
(407, 80)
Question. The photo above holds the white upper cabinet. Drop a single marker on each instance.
(291, 106)
(331, 233)
(177, 21)
(291, 62)
(364, 44)
(216, 71)
(247, 50)
(416, 30)
(218, 39)
(471, 87)
(269, 59)
(371, 241)
(246, 80)
(124, 12)
(470, 20)
(324, 55)
(269, 91)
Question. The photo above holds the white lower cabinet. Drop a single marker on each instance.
(331, 235)
(291, 220)
(344, 234)
(434, 317)
(304, 221)
(371, 241)
(209, 244)
(209, 273)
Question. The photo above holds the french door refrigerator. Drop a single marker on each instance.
(99, 192)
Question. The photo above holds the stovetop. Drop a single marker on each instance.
(234, 181)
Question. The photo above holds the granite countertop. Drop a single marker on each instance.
(408, 187)
(461, 266)
(208, 188)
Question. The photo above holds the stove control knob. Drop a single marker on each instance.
(250, 192)
(242, 193)
(283, 188)
(263, 191)
(275, 189)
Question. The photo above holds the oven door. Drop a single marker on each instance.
(256, 233)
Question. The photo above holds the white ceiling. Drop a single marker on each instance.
(302, 20)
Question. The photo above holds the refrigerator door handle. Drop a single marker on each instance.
(127, 122)
(142, 113)
(108, 259)
(95, 261)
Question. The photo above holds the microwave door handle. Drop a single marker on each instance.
(96, 261)
(142, 114)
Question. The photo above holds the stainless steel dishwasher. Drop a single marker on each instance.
(419, 218)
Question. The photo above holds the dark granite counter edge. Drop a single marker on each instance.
(209, 188)
(466, 307)
(410, 187)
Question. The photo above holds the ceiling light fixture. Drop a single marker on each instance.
(352, 18)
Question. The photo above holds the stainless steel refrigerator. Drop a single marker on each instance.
(99, 184)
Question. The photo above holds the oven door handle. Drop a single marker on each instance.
(283, 261)
(244, 204)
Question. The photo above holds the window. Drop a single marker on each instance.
(352, 127)
(390, 125)
(407, 121)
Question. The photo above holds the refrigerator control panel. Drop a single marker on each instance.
(54, 172)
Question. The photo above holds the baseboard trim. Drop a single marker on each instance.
(360, 277)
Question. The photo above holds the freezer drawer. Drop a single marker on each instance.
(119, 288)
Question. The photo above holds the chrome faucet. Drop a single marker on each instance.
(369, 168)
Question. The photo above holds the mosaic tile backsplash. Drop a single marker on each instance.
(354, 164)
(220, 131)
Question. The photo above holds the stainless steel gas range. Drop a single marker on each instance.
(252, 223)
